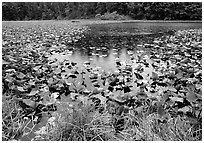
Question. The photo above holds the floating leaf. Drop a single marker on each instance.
(37, 68)
(20, 88)
(178, 99)
(139, 109)
(30, 102)
(172, 89)
(57, 71)
(74, 96)
(10, 70)
(155, 76)
(21, 75)
(55, 95)
(34, 91)
(86, 91)
(161, 110)
(191, 96)
(184, 109)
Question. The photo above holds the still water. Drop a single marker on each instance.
(105, 42)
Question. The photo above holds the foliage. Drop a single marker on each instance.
(158, 96)
(112, 16)
(77, 10)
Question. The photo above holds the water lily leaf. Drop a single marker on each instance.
(74, 96)
(21, 75)
(10, 70)
(184, 109)
(30, 102)
(192, 80)
(9, 78)
(34, 91)
(87, 63)
(5, 62)
(172, 89)
(178, 99)
(86, 91)
(57, 71)
(47, 99)
(55, 95)
(161, 110)
(191, 96)
(50, 80)
(155, 76)
(20, 88)
(139, 109)
(179, 75)
(37, 68)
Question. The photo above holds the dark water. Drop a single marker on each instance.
(105, 42)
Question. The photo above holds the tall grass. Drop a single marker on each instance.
(85, 123)
(13, 125)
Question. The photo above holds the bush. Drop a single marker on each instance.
(112, 16)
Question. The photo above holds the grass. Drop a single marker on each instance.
(77, 124)
(86, 124)
(83, 122)
(12, 123)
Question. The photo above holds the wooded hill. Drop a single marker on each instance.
(88, 10)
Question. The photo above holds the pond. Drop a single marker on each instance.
(105, 42)
(115, 59)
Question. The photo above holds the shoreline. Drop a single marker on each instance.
(93, 21)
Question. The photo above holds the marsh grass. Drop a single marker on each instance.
(82, 122)
(86, 124)
(13, 125)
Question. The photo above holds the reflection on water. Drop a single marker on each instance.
(105, 42)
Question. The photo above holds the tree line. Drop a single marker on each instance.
(88, 10)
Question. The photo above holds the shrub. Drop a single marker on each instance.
(112, 16)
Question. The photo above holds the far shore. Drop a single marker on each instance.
(96, 21)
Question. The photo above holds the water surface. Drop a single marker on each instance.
(105, 42)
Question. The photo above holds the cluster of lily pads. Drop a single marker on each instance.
(163, 77)
(25, 64)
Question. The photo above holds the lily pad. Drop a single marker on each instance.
(30, 103)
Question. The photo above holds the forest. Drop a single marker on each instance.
(89, 10)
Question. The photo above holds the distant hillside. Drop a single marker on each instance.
(102, 10)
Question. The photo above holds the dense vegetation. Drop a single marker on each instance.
(64, 101)
(73, 10)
